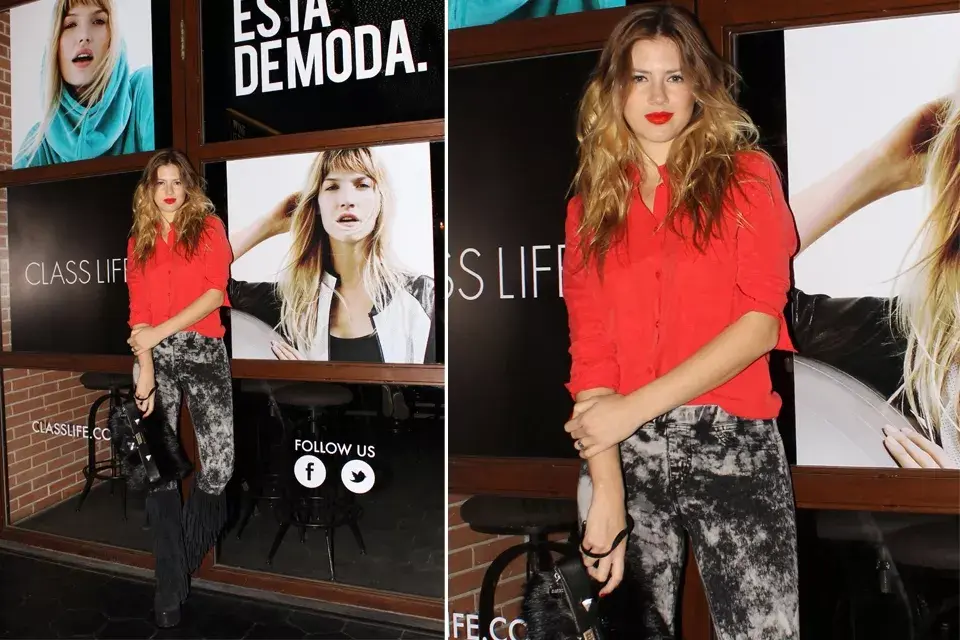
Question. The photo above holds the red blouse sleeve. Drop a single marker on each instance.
(592, 349)
(217, 257)
(766, 243)
(136, 287)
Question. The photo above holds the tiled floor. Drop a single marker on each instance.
(40, 598)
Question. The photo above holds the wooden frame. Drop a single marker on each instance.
(907, 490)
(187, 128)
(517, 39)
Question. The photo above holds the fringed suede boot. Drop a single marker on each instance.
(204, 517)
(172, 583)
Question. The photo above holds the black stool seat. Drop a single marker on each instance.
(313, 394)
(535, 518)
(502, 515)
(932, 545)
(100, 381)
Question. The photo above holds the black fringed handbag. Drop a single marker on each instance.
(149, 453)
(563, 603)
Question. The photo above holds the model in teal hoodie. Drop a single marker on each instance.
(472, 13)
(120, 122)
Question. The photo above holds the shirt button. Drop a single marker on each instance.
(656, 274)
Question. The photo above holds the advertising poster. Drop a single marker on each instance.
(68, 291)
(277, 67)
(873, 174)
(334, 255)
(473, 13)
(82, 80)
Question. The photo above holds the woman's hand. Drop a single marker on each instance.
(911, 450)
(144, 394)
(283, 351)
(605, 519)
(144, 339)
(600, 423)
(280, 215)
(902, 152)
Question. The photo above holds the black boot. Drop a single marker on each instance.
(172, 583)
(204, 516)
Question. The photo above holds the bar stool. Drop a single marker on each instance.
(264, 483)
(329, 505)
(536, 518)
(117, 387)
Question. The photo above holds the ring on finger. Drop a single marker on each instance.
(578, 445)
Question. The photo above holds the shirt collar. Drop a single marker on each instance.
(633, 171)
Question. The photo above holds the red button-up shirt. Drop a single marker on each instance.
(660, 300)
(168, 283)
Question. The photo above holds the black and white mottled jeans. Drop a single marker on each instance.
(188, 364)
(724, 481)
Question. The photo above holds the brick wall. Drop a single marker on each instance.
(42, 469)
(469, 554)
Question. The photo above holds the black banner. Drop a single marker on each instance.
(68, 291)
(512, 157)
(275, 67)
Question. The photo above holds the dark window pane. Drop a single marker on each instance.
(327, 66)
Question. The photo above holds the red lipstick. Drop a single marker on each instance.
(659, 117)
(170, 200)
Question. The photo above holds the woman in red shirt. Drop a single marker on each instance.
(676, 272)
(178, 262)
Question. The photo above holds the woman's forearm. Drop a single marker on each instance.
(145, 359)
(604, 468)
(825, 204)
(250, 236)
(720, 360)
(207, 303)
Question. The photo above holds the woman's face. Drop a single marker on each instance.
(349, 204)
(84, 43)
(659, 101)
(169, 193)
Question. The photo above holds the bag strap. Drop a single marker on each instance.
(616, 541)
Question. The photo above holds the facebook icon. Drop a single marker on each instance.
(309, 471)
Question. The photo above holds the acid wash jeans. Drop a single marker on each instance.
(724, 481)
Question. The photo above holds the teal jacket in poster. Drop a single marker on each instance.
(471, 13)
(121, 122)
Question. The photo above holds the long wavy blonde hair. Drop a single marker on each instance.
(299, 283)
(53, 84)
(702, 162)
(146, 215)
(929, 309)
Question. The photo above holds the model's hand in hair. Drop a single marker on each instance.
(600, 423)
(283, 351)
(144, 339)
(605, 519)
(904, 149)
(274, 222)
(895, 163)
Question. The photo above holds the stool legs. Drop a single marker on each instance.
(281, 532)
(91, 469)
